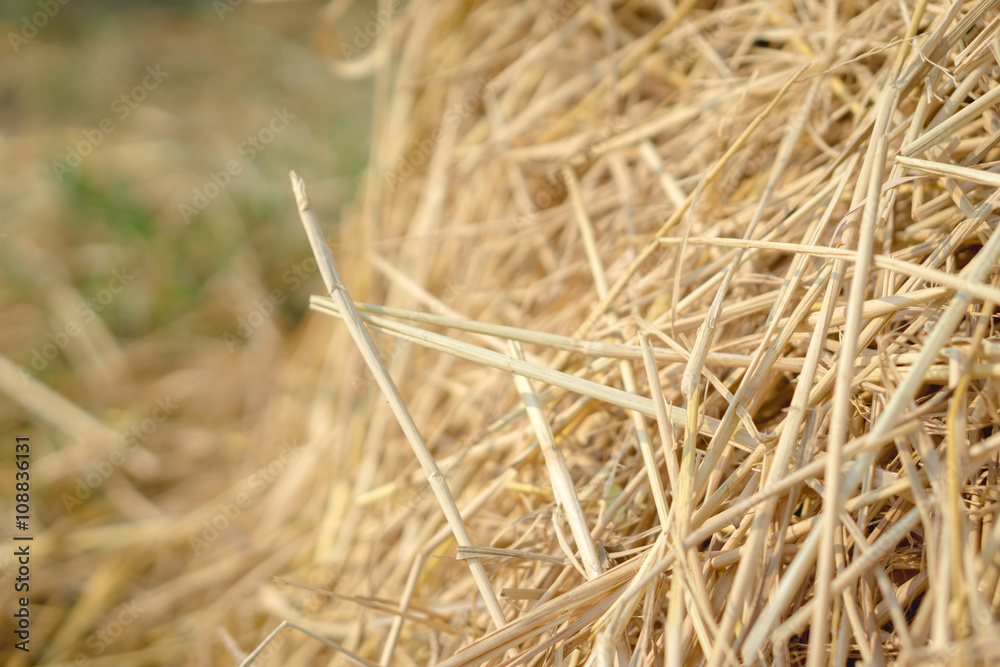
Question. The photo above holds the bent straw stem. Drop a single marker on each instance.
(562, 481)
(359, 333)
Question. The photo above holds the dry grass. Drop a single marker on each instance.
(693, 307)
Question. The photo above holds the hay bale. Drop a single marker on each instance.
(777, 219)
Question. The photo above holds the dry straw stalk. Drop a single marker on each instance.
(787, 215)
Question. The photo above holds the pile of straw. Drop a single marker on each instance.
(749, 253)
(686, 313)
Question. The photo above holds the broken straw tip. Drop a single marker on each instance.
(301, 198)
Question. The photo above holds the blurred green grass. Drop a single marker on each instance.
(122, 206)
(119, 296)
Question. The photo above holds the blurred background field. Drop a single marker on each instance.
(121, 208)
(143, 313)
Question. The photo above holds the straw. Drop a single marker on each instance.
(787, 217)
(331, 278)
